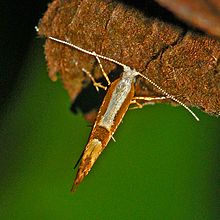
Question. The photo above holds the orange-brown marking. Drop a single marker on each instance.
(100, 136)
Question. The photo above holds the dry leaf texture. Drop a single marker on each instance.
(184, 63)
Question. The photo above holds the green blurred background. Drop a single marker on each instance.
(164, 164)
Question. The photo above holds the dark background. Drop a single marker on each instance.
(17, 32)
(164, 165)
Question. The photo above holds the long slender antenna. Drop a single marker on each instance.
(169, 96)
(86, 51)
(126, 67)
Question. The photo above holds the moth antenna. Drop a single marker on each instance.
(124, 66)
(36, 28)
(86, 51)
(169, 96)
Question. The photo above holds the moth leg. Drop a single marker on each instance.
(113, 139)
(102, 69)
(145, 100)
(96, 84)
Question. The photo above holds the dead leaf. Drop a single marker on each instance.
(184, 63)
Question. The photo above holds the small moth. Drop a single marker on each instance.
(119, 96)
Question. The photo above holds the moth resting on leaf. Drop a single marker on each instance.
(118, 98)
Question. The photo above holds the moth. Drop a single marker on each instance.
(117, 100)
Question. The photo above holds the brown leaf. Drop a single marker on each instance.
(184, 63)
(202, 14)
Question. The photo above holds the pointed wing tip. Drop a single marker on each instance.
(76, 183)
(73, 188)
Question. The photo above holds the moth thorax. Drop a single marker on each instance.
(128, 72)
